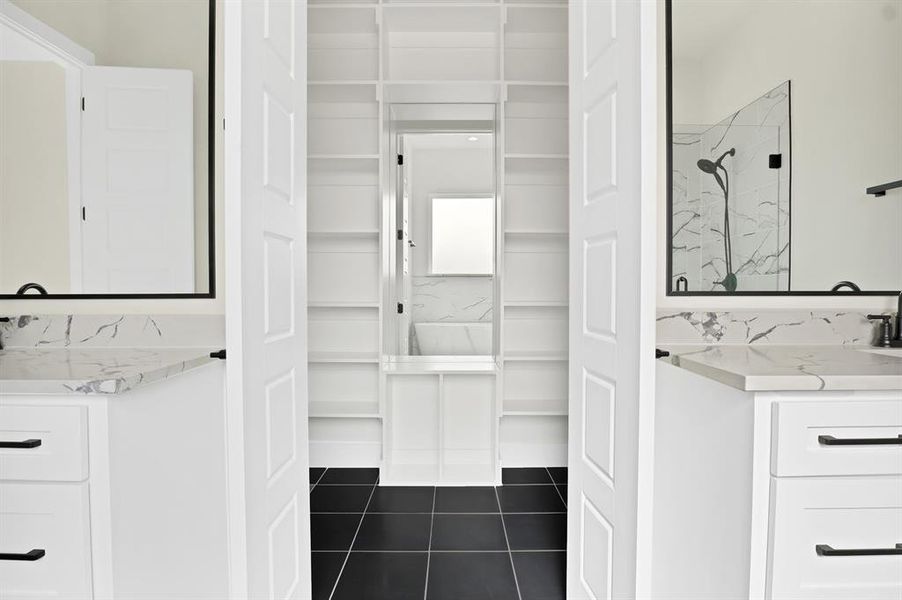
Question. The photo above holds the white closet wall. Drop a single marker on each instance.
(361, 54)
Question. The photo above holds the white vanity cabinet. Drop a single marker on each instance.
(115, 495)
(776, 494)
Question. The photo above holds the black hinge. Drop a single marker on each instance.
(220, 354)
(400, 234)
(83, 214)
(400, 308)
(400, 159)
(775, 161)
(82, 104)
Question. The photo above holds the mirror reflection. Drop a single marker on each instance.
(445, 207)
(104, 153)
(777, 147)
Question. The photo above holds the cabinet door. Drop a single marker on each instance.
(835, 538)
(468, 429)
(52, 518)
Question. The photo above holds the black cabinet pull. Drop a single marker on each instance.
(829, 440)
(825, 550)
(31, 555)
(25, 444)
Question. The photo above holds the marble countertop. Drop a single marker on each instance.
(793, 368)
(92, 370)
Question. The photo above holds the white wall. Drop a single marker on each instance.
(86, 16)
(33, 176)
(844, 63)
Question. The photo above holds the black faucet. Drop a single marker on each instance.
(3, 320)
(889, 336)
(31, 286)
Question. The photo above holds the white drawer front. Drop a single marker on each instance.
(849, 513)
(63, 451)
(798, 447)
(53, 518)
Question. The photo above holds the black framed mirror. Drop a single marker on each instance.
(784, 139)
(107, 149)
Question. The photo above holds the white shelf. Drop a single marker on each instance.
(343, 234)
(343, 304)
(342, 357)
(539, 156)
(537, 356)
(535, 408)
(537, 303)
(344, 410)
(343, 82)
(343, 156)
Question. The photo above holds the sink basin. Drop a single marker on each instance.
(897, 352)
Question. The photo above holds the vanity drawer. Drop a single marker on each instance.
(49, 517)
(840, 514)
(43, 443)
(864, 435)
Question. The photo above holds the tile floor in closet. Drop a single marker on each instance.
(438, 543)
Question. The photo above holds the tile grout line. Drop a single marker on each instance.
(510, 555)
(429, 548)
(556, 489)
(354, 541)
(320, 478)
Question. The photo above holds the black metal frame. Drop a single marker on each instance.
(668, 67)
(211, 198)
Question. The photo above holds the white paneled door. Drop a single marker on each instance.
(612, 297)
(265, 170)
(138, 181)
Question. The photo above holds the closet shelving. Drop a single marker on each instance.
(536, 246)
(364, 54)
(343, 177)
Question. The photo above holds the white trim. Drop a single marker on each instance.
(648, 60)
(43, 34)
(234, 408)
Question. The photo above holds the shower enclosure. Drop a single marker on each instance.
(731, 200)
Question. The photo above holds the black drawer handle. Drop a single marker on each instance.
(36, 554)
(25, 444)
(825, 550)
(829, 440)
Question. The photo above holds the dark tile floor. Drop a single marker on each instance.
(428, 543)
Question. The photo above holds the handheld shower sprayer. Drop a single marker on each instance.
(729, 281)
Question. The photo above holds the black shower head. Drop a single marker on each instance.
(707, 166)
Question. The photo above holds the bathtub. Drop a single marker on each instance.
(458, 339)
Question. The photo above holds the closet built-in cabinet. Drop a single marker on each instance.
(363, 56)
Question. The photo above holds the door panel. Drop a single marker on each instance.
(138, 179)
(612, 301)
(266, 295)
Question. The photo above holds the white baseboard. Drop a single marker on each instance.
(345, 454)
(533, 455)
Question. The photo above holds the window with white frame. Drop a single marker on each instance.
(462, 235)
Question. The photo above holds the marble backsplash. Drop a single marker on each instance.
(764, 327)
(113, 331)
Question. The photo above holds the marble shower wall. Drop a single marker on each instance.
(759, 198)
(452, 299)
(764, 327)
(114, 331)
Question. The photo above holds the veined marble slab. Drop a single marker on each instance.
(93, 370)
(794, 368)
(113, 331)
(764, 327)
